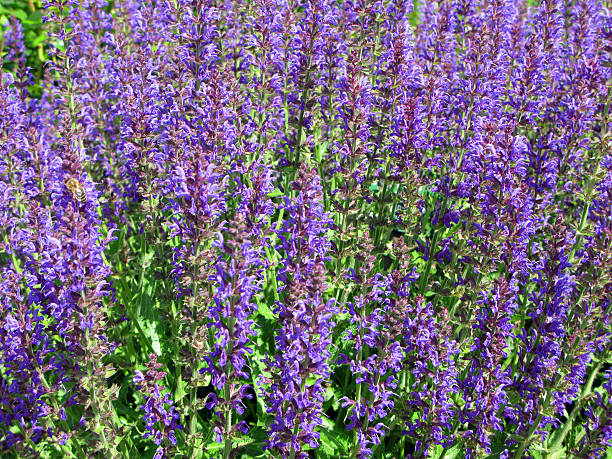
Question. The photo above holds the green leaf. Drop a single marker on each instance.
(334, 442)
(34, 19)
(19, 14)
(320, 151)
(453, 452)
(39, 39)
(275, 193)
(265, 311)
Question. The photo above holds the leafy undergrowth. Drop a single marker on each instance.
(298, 229)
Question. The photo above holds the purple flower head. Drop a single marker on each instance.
(160, 416)
(295, 391)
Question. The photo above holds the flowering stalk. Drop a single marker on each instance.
(160, 416)
(303, 343)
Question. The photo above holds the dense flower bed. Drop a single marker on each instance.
(299, 228)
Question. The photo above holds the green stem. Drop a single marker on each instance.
(403, 384)
(55, 403)
(92, 392)
(587, 389)
(193, 420)
(32, 445)
(176, 351)
(436, 234)
(562, 433)
(527, 440)
(298, 145)
(296, 427)
(360, 355)
(432, 248)
(228, 391)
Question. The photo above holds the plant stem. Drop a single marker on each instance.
(228, 391)
(562, 433)
(296, 427)
(92, 392)
(193, 420)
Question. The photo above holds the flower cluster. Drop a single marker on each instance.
(160, 416)
(367, 228)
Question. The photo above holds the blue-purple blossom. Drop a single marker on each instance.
(295, 390)
(330, 228)
(160, 416)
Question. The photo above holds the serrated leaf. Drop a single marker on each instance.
(331, 444)
(265, 311)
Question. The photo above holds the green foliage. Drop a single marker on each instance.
(28, 14)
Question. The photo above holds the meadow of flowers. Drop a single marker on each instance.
(307, 229)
